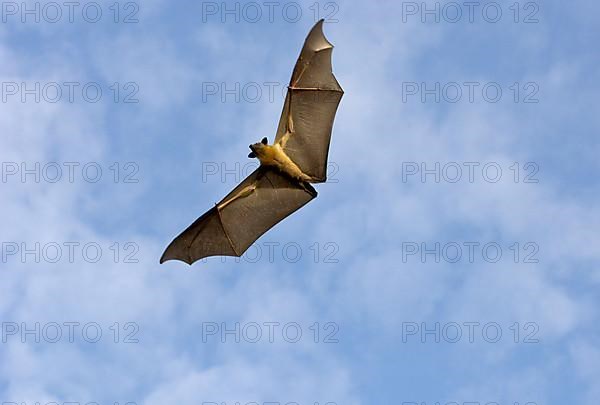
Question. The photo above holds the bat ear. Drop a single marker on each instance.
(252, 155)
(265, 141)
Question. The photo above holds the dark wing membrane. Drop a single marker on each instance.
(276, 196)
(311, 102)
(205, 237)
(263, 199)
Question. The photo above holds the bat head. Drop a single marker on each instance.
(257, 148)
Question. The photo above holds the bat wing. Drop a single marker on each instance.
(311, 102)
(257, 204)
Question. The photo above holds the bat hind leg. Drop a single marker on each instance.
(245, 192)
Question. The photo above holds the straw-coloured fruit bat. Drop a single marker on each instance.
(282, 183)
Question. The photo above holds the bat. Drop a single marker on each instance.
(282, 183)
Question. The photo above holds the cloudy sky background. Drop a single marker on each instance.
(350, 278)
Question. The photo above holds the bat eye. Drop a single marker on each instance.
(265, 141)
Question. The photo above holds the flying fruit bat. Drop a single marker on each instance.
(282, 183)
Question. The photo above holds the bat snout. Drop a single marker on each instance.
(252, 154)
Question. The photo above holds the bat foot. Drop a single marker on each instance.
(308, 188)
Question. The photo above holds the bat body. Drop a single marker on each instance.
(282, 183)
(274, 156)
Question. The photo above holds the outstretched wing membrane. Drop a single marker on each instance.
(311, 102)
(257, 204)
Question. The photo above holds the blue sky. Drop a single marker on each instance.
(349, 265)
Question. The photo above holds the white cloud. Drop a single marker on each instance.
(367, 214)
